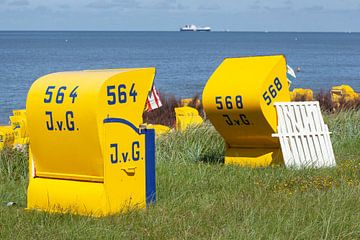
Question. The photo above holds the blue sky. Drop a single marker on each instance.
(169, 15)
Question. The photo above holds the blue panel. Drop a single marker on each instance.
(150, 166)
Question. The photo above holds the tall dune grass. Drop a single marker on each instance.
(198, 197)
(327, 105)
(13, 165)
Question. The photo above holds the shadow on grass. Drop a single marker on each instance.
(212, 158)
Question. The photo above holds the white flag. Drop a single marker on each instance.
(290, 71)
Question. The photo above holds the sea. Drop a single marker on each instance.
(184, 60)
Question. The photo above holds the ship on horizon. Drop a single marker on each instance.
(194, 28)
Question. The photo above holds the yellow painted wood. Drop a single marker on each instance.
(19, 126)
(187, 116)
(301, 94)
(81, 159)
(6, 137)
(239, 99)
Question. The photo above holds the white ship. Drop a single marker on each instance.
(194, 28)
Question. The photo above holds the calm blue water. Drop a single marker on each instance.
(184, 61)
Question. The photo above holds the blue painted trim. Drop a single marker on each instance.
(16, 127)
(124, 121)
(150, 177)
(150, 166)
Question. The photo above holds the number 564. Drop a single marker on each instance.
(121, 95)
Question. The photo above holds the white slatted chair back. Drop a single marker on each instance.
(304, 137)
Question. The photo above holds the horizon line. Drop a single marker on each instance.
(216, 31)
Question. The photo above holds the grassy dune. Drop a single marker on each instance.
(200, 198)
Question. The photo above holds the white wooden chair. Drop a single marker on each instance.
(304, 137)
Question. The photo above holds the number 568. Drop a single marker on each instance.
(273, 89)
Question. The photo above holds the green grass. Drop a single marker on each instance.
(198, 197)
